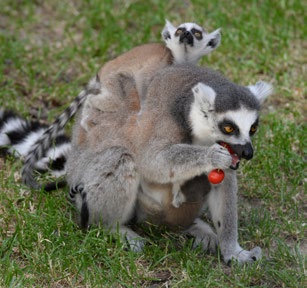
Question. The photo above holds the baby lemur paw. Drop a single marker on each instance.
(244, 256)
(220, 157)
(178, 199)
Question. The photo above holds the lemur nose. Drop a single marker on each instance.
(245, 151)
(248, 151)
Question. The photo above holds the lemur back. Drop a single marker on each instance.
(186, 43)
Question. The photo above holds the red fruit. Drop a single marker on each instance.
(216, 176)
(227, 146)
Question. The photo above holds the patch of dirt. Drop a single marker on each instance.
(162, 278)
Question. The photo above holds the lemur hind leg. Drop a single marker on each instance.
(109, 183)
(222, 201)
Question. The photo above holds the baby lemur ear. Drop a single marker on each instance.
(168, 30)
(204, 96)
(261, 90)
(214, 39)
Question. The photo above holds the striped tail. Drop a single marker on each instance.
(18, 135)
(43, 143)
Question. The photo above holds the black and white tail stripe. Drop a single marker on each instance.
(17, 136)
(40, 148)
(84, 212)
(73, 192)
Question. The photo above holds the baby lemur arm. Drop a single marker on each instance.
(181, 162)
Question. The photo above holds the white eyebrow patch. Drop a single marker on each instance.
(244, 118)
(189, 26)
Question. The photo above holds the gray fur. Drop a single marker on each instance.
(134, 164)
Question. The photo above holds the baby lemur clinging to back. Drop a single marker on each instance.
(186, 43)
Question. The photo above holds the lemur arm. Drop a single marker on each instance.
(181, 162)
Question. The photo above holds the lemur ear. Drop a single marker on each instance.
(204, 95)
(214, 39)
(168, 28)
(261, 90)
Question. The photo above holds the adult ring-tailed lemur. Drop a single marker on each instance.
(124, 165)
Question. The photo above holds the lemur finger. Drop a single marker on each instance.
(220, 157)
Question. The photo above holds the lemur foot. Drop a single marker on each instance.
(244, 256)
(136, 244)
(204, 236)
(134, 241)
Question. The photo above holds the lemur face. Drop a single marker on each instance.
(189, 41)
(187, 33)
(229, 128)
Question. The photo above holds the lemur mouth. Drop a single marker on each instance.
(235, 158)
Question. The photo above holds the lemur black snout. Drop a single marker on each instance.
(245, 151)
(248, 152)
(187, 38)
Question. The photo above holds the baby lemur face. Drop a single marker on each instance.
(187, 32)
(189, 41)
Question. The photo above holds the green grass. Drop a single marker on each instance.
(50, 49)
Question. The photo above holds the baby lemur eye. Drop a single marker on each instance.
(197, 34)
(179, 31)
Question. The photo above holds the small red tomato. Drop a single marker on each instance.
(216, 176)
(227, 146)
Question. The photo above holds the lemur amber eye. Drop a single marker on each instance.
(253, 129)
(228, 129)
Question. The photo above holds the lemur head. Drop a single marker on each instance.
(189, 41)
(227, 114)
